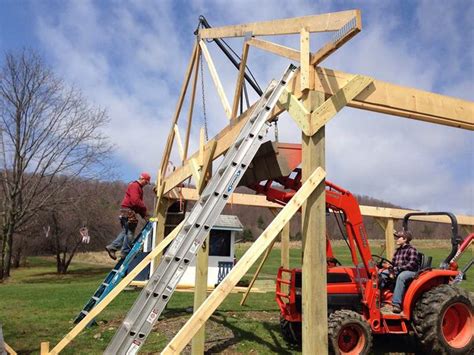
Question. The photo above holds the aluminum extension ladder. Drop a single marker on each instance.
(117, 273)
(152, 300)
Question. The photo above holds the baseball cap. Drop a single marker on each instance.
(403, 233)
(145, 176)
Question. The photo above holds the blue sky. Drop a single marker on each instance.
(130, 57)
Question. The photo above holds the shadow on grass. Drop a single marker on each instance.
(239, 334)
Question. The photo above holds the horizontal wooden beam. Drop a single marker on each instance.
(314, 23)
(401, 101)
(381, 212)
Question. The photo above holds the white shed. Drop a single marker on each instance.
(221, 252)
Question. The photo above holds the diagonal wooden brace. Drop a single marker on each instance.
(296, 110)
(324, 113)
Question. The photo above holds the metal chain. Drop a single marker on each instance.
(203, 101)
(276, 130)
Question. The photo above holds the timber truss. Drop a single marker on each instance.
(312, 99)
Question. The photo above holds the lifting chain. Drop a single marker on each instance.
(203, 100)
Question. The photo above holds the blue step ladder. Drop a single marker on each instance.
(117, 274)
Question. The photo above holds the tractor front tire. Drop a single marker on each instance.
(291, 331)
(443, 320)
(348, 333)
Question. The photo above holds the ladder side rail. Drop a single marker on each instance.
(205, 216)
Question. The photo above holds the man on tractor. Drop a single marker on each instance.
(403, 268)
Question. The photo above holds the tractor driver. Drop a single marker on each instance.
(403, 269)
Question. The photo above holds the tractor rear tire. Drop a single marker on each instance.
(443, 320)
(291, 331)
(349, 333)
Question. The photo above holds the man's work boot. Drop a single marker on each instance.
(396, 309)
(111, 253)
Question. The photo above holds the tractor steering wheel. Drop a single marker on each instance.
(381, 260)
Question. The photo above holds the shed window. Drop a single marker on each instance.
(219, 243)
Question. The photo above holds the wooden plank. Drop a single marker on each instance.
(240, 80)
(179, 142)
(202, 143)
(179, 105)
(159, 232)
(10, 350)
(257, 272)
(389, 240)
(200, 294)
(401, 101)
(314, 23)
(115, 291)
(332, 46)
(285, 246)
(339, 100)
(306, 70)
(191, 104)
(274, 48)
(44, 350)
(296, 110)
(199, 317)
(215, 78)
(196, 171)
(207, 166)
(315, 326)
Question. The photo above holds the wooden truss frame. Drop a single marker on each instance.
(312, 99)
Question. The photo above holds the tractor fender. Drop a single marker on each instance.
(422, 283)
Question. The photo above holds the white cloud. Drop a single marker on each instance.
(131, 59)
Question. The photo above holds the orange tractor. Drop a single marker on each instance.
(435, 310)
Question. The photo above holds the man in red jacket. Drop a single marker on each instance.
(132, 204)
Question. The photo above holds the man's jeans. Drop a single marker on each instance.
(124, 240)
(401, 285)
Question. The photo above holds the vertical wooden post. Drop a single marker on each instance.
(200, 294)
(285, 246)
(162, 208)
(285, 251)
(389, 241)
(44, 350)
(314, 293)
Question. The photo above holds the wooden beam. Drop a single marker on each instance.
(44, 349)
(401, 101)
(274, 48)
(191, 104)
(179, 105)
(332, 46)
(115, 291)
(314, 23)
(179, 142)
(382, 212)
(199, 317)
(207, 166)
(314, 326)
(10, 350)
(336, 102)
(200, 294)
(215, 78)
(240, 80)
(296, 110)
(196, 171)
(387, 226)
(306, 70)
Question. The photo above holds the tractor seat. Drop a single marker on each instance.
(424, 263)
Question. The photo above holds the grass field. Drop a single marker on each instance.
(38, 305)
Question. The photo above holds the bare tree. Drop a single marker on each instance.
(49, 135)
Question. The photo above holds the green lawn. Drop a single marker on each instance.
(38, 305)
